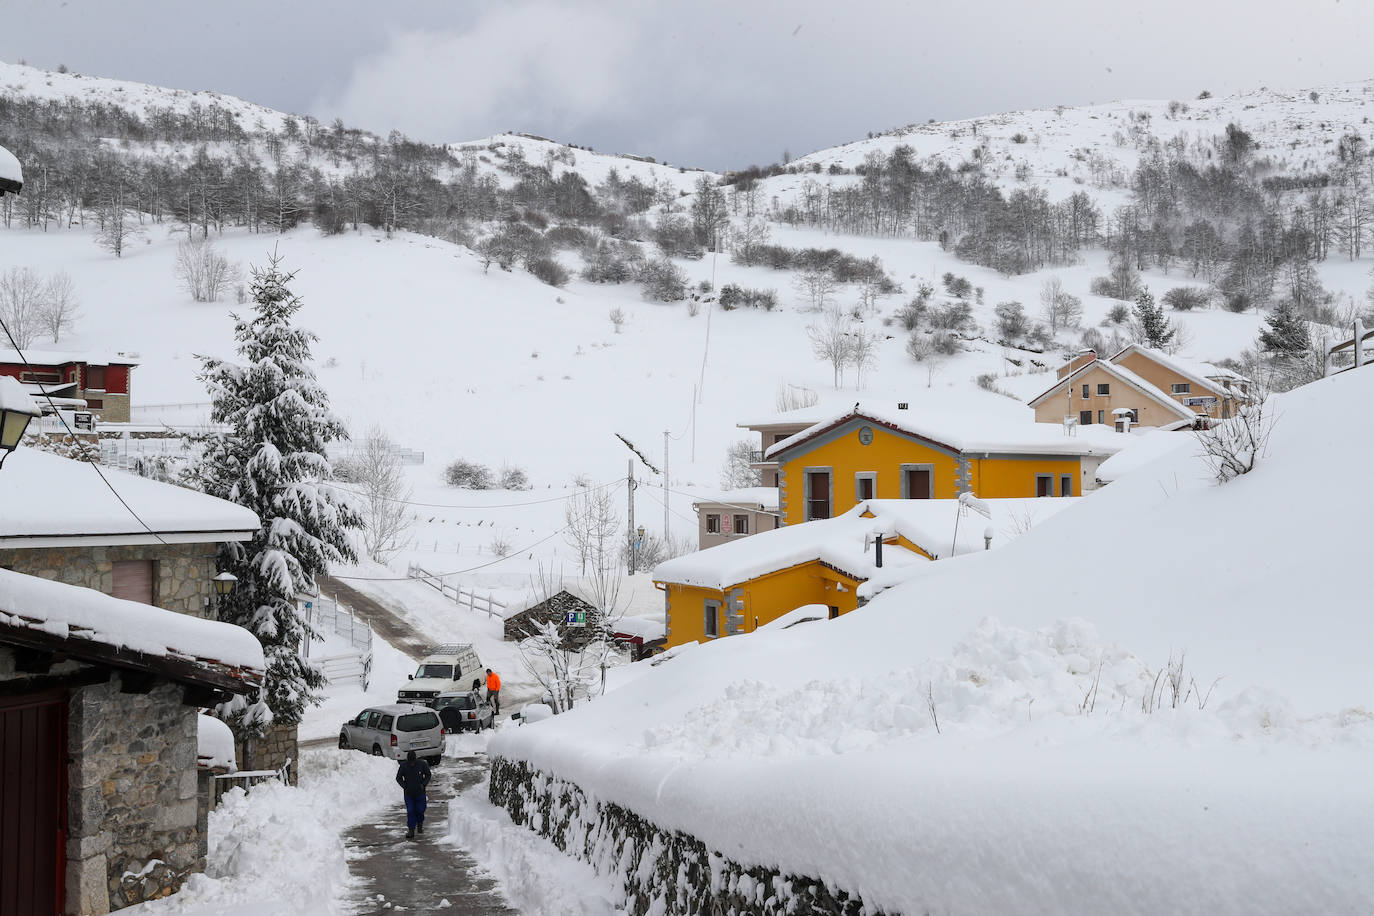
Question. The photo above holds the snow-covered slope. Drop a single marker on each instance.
(969, 742)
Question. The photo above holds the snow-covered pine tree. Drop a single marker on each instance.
(1287, 332)
(1151, 326)
(272, 460)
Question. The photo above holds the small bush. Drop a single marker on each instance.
(957, 286)
(513, 477)
(567, 237)
(468, 475)
(550, 271)
(954, 316)
(733, 296)
(919, 347)
(1238, 302)
(663, 281)
(911, 315)
(1118, 314)
(1012, 323)
(946, 344)
(1186, 298)
(1018, 137)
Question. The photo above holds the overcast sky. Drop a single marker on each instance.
(715, 83)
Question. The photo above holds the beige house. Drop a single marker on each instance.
(1140, 386)
(736, 514)
(772, 430)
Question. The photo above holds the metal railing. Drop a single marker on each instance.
(456, 593)
(1357, 343)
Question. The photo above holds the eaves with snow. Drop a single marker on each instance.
(50, 501)
(11, 176)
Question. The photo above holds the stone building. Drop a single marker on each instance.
(99, 725)
(100, 382)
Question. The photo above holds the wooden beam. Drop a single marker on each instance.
(83, 678)
(199, 695)
(137, 682)
(32, 661)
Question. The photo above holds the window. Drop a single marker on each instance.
(834, 611)
(712, 621)
(1085, 418)
(1104, 389)
(1044, 485)
(417, 722)
(133, 580)
(1086, 389)
(95, 377)
(443, 671)
(50, 376)
(741, 524)
(373, 719)
(1183, 388)
(1102, 416)
(95, 403)
(385, 723)
(712, 524)
(1065, 484)
(917, 482)
(817, 494)
(865, 485)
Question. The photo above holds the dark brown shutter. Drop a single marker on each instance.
(133, 580)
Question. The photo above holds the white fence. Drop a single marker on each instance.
(329, 616)
(457, 594)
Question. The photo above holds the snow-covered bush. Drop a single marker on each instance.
(468, 475)
(663, 281)
(1186, 298)
(512, 477)
(549, 271)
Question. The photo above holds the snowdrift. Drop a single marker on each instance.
(1156, 702)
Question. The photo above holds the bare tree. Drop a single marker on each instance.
(22, 304)
(736, 473)
(1060, 308)
(117, 226)
(748, 239)
(592, 523)
(617, 316)
(59, 304)
(832, 342)
(863, 352)
(203, 270)
(376, 470)
(817, 287)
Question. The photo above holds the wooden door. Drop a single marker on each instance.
(33, 809)
(918, 483)
(818, 495)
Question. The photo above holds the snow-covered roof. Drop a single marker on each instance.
(1144, 445)
(963, 433)
(765, 498)
(62, 357)
(11, 176)
(642, 627)
(14, 397)
(1204, 374)
(47, 500)
(1144, 386)
(77, 614)
(846, 541)
(214, 745)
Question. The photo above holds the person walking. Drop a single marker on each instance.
(494, 691)
(412, 776)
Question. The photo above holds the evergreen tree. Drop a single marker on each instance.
(272, 460)
(1287, 332)
(1152, 328)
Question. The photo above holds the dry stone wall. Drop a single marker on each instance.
(184, 571)
(659, 871)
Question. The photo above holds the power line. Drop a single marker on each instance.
(533, 502)
(456, 572)
(696, 498)
(94, 465)
(650, 494)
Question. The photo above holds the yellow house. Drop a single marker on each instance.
(1150, 387)
(740, 586)
(832, 466)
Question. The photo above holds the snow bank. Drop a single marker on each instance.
(70, 611)
(277, 851)
(1198, 743)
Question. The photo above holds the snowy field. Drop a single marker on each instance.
(1199, 746)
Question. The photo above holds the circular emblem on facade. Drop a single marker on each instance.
(866, 435)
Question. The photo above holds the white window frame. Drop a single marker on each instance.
(713, 517)
(741, 524)
(1182, 388)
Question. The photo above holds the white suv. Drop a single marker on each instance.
(393, 730)
(444, 670)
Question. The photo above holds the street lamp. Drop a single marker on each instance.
(16, 410)
(224, 584)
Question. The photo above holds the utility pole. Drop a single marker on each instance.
(630, 493)
(665, 488)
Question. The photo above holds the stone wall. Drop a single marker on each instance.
(658, 871)
(184, 571)
(270, 751)
(136, 827)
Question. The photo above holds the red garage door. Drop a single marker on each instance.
(32, 805)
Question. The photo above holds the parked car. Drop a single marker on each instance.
(533, 712)
(464, 709)
(444, 669)
(395, 729)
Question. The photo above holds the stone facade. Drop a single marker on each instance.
(183, 571)
(137, 827)
(270, 751)
(659, 871)
(555, 610)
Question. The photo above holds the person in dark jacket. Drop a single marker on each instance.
(412, 776)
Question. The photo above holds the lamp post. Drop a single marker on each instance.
(16, 410)
(635, 548)
(224, 585)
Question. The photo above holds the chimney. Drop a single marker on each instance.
(878, 551)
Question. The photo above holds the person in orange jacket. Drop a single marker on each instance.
(494, 691)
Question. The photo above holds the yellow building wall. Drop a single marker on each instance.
(847, 456)
(765, 599)
(991, 478)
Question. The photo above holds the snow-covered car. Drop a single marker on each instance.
(464, 709)
(444, 669)
(534, 712)
(394, 730)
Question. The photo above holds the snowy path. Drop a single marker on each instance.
(385, 622)
(428, 874)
